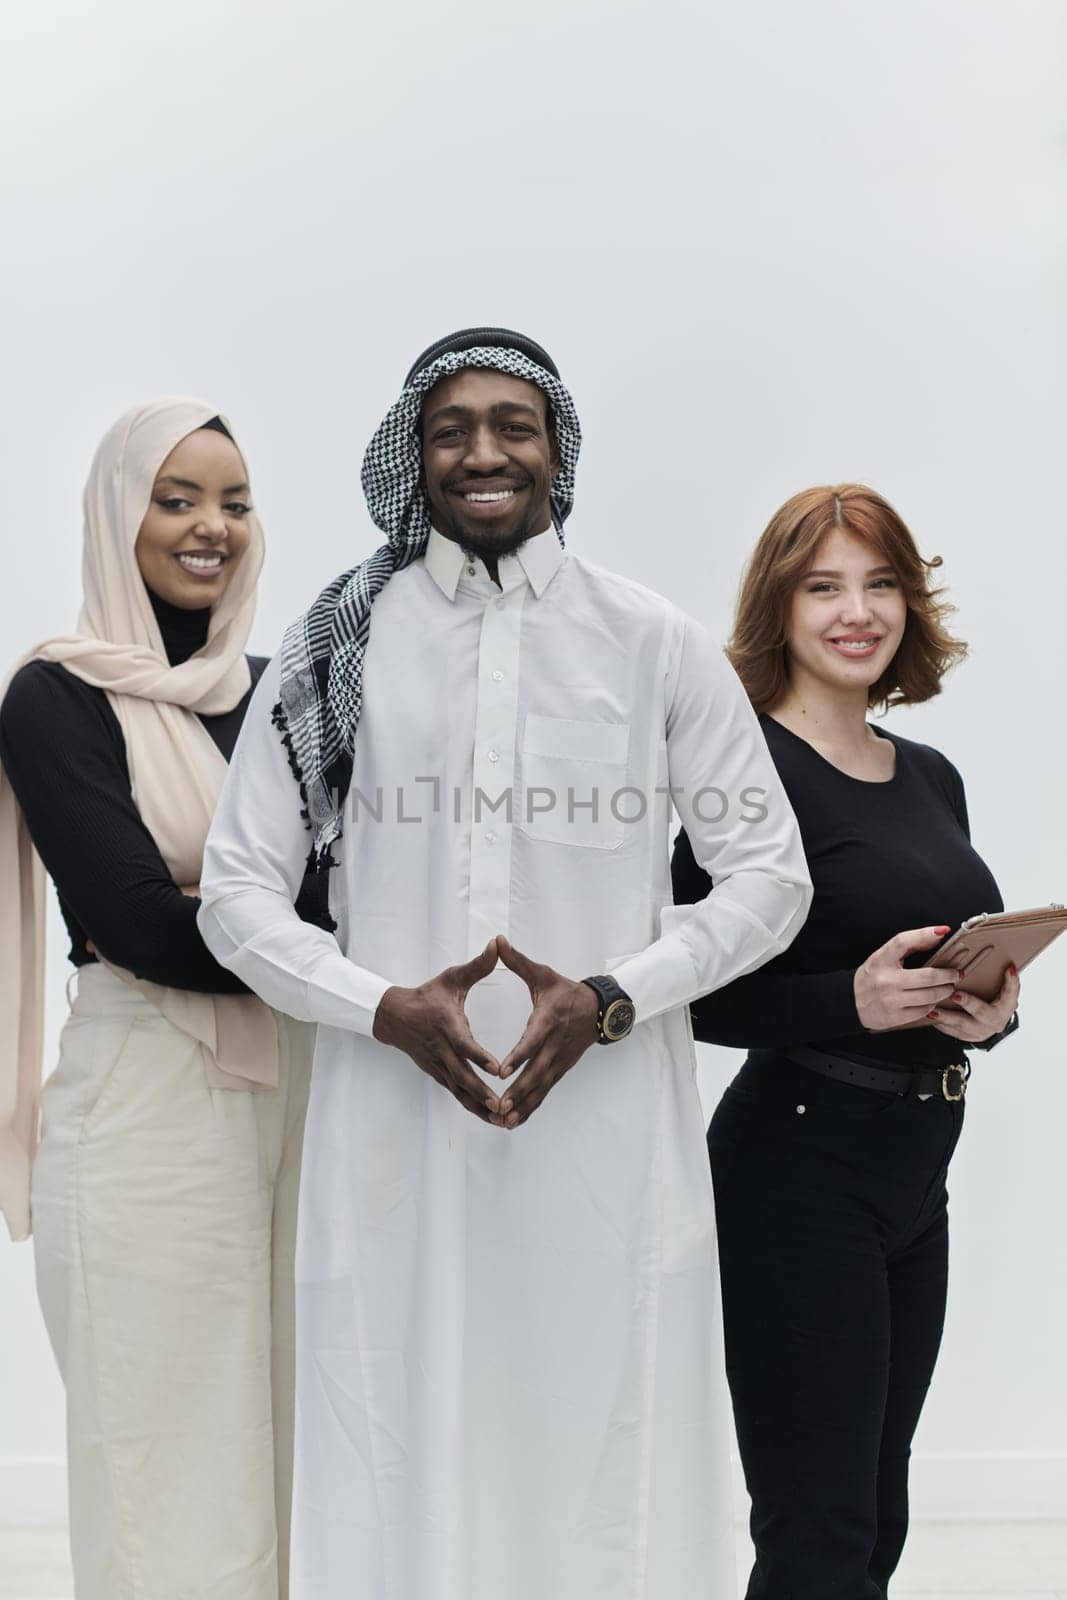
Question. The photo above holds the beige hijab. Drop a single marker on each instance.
(176, 772)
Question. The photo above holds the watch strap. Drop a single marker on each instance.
(609, 993)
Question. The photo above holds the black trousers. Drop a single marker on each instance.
(833, 1248)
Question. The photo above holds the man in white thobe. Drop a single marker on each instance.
(510, 1375)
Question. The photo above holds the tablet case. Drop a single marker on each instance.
(985, 946)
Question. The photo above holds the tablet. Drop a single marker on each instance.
(985, 946)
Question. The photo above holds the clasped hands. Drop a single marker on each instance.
(430, 1025)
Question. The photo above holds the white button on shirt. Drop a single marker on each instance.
(537, 1308)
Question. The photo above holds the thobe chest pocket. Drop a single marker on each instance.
(571, 775)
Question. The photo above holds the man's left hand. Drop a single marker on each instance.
(561, 1027)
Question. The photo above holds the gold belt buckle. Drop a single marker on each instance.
(964, 1071)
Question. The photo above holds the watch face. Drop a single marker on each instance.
(618, 1019)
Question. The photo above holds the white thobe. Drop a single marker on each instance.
(510, 1373)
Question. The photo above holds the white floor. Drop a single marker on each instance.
(964, 1560)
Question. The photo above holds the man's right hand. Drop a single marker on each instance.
(430, 1025)
(890, 995)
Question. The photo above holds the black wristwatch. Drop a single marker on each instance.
(616, 1016)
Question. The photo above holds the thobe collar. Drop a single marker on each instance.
(538, 559)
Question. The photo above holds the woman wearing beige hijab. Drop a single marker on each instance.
(160, 1163)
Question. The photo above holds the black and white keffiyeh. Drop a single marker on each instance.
(322, 652)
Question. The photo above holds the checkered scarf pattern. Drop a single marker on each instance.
(322, 652)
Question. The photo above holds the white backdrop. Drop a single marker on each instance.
(769, 244)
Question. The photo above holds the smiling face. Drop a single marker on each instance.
(488, 459)
(195, 530)
(847, 616)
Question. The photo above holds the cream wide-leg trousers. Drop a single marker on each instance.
(164, 1217)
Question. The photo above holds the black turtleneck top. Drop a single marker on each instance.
(62, 749)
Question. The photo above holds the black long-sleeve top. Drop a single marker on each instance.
(63, 751)
(883, 857)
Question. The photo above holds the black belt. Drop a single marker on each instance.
(949, 1082)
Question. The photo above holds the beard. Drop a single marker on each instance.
(488, 541)
(494, 544)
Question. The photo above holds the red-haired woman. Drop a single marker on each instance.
(829, 1150)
